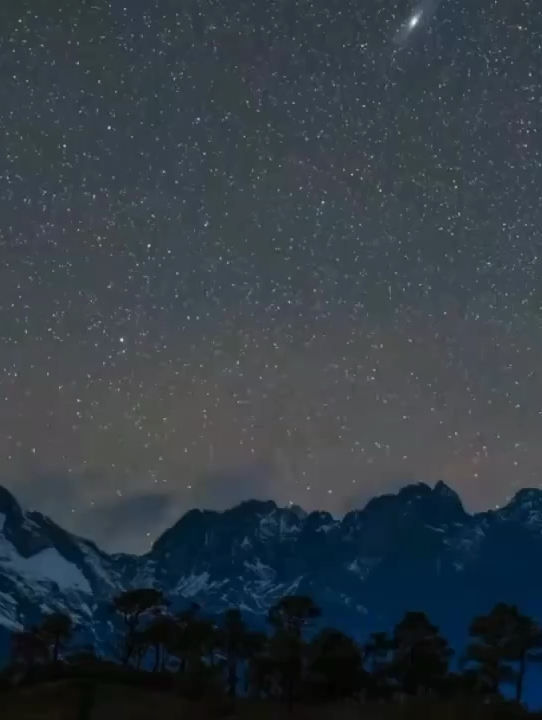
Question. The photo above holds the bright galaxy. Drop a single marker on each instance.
(421, 13)
(267, 250)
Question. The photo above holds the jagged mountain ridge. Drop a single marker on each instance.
(417, 549)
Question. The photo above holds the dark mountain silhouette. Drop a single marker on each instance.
(416, 549)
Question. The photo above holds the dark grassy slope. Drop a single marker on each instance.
(74, 700)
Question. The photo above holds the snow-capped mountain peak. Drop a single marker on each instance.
(418, 548)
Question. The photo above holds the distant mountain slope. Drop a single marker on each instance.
(417, 549)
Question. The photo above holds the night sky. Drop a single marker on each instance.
(267, 248)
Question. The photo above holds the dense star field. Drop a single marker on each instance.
(267, 248)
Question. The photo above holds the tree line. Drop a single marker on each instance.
(292, 661)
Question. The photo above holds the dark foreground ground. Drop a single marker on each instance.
(69, 700)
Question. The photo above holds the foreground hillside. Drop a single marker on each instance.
(223, 666)
(416, 549)
(69, 701)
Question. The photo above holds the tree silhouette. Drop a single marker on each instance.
(285, 670)
(525, 645)
(238, 645)
(56, 630)
(334, 665)
(157, 635)
(131, 606)
(489, 650)
(194, 641)
(378, 652)
(503, 638)
(205, 640)
(257, 655)
(140, 648)
(201, 676)
(289, 617)
(179, 643)
(421, 656)
(292, 613)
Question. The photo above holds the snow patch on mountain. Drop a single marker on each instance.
(47, 566)
(264, 572)
(96, 564)
(8, 612)
(328, 527)
(192, 585)
(362, 567)
(278, 522)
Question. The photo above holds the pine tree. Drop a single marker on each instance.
(237, 644)
(504, 641)
(289, 617)
(131, 606)
(421, 655)
(334, 666)
(56, 630)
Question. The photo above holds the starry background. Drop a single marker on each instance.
(273, 248)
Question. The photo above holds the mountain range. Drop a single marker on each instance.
(415, 550)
